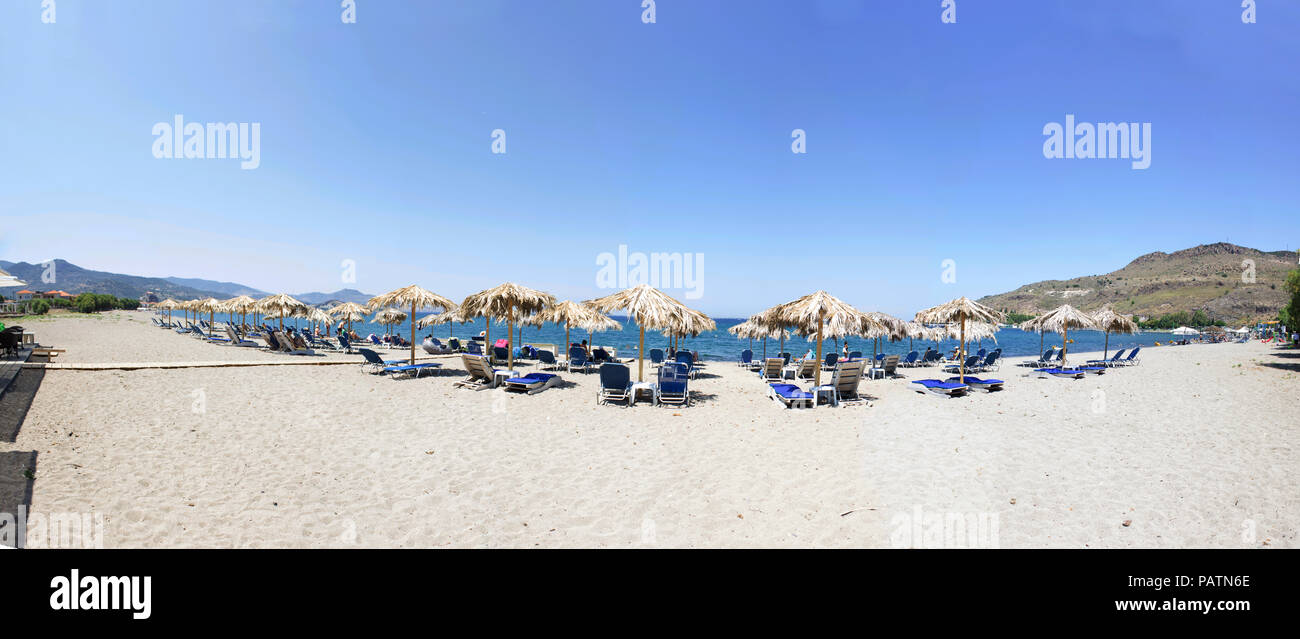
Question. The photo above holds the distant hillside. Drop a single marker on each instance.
(1206, 278)
(75, 279)
(329, 299)
(227, 289)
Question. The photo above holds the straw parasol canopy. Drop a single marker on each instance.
(649, 308)
(598, 322)
(1063, 318)
(509, 301)
(1111, 322)
(241, 304)
(568, 313)
(960, 311)
(830, 316)
(753, 329)
(278, 305)
(390, 316)
(209, 305)
(168, 305)
(414, 297)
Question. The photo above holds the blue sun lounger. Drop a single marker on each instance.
(936, 387)
(1091, 370)
(1113, 361)
(413, 370)
(1065, 373)
(980, 383)
(532, 383)
(789, 395)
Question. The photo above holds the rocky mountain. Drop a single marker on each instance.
(1215, 278)
(227, 289)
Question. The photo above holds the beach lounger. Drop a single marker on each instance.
(673, 386)
(911, 360)
(888, 367)
(235, 340)
(805, 369)
(546, 359)
(1063, 373)
(656, 357)
(1091, 370)
(990, 362)
(532, 383)
(1108, 362)
(972, 363)
(412, 370)
(985, 384)
(578, 359)
(1043, 360)
(790, 396)
(481, 375)
(936, 387)
(1131, 360)
(772, 370)
(299, 345)
(746, 358)
(615, 384)
(844, 383)
(830, 361)
(374, 363)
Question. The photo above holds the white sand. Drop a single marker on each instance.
(1190, 448)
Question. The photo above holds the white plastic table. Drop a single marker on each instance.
(643, 386)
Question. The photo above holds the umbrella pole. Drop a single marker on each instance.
(566, 339)
(1106, 350)
(962, 377)
(640, 358)
(487, 338)
(821, 316)
(510, 340)
(1065, 343)
(412, 333)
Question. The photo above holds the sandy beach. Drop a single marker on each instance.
(1196, 447)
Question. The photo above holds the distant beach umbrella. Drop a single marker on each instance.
(824, 315)
(448, 317)
(508, 301)
(1184, 330)
(1111, 322)
(649, 308)
(168, 305)
(1063, 318)
(960, 311)
(7, 280)
(390, 317)
(598, 322)
(886, 326)
(349, 312)
(239, 304)
(414, 297)
(568, 313)
(210, 306)
(279, 306)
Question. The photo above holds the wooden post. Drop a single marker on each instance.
(821, 316)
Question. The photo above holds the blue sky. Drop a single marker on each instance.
(924, 141)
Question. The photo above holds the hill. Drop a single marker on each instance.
(75, 279)
(1206, 278)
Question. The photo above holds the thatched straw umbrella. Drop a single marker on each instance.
(747, 329)
(509, 301)
(824, 314)
(1111, 322)
(916, 330)
(568, 313)
(649, 308)
(278, 305)
(210, 306)
(414, 297)
(168, 305)
(960, 311)
(349, 312)
(886, 326)
(1063, 318)
(390, 317)
(448, 317)
(316, 316)
(596, 323)
(692, 323)
(240, 304)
